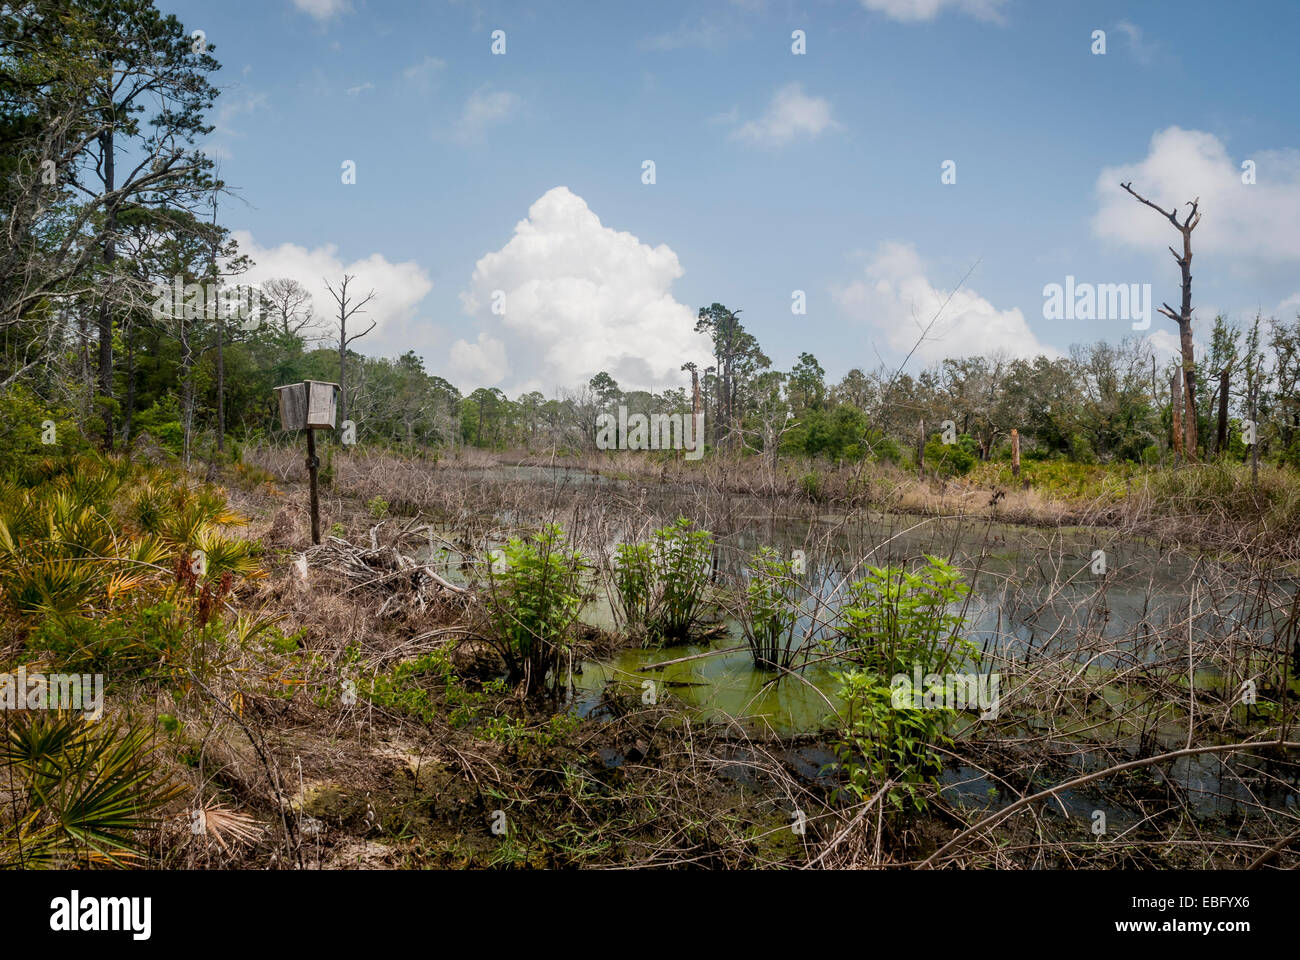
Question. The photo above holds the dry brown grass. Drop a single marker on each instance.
(336, 787)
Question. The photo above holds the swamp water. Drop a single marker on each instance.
(1077, 594)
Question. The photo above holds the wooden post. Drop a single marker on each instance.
(312, 463)
(1176, 402)
(311, 406)
(1015, 452)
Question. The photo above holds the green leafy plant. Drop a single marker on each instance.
(897, 622)
(32, 430)
(661, 585)
(683, 555)
(532, 601)
(812, 486)
(770, 610)
(135, 638)
(951, 459)
(634, 582)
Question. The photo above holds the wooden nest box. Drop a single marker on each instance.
(310, 405)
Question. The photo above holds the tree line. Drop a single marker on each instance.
(106, 197)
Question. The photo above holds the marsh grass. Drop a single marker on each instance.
(1099, 670)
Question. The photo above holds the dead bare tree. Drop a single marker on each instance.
(1184, 316)
(347, 310)
(287, 307)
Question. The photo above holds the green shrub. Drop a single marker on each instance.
(884, 447)
(1081, 449)
(895, 622)
(770, 610)
(683, 558)
(129, 641)
(634, 582)
(661, 585)
(26, 422)
(162, 421)
(951, 459)
(811, 485)
(406, 688)
(532, 601)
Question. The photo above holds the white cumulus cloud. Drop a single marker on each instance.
(399, 288)
(578, 297)
(1242, 224)
(896, 301)
(481, 362)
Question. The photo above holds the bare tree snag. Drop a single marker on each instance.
(1184, 316)
(695, 390)
(1015, 452)
(348, 307)
(697, 433)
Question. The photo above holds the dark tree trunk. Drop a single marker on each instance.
(221, 384)
(343, 378)
(129, 406)
(105, 321)
(1221, 440)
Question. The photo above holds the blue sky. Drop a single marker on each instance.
(774, 172)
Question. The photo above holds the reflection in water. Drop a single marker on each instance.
(1082, 596)
(1034, 593)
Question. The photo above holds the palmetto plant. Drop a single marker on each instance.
(84, 536)
(228, 827)
(80, 793)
